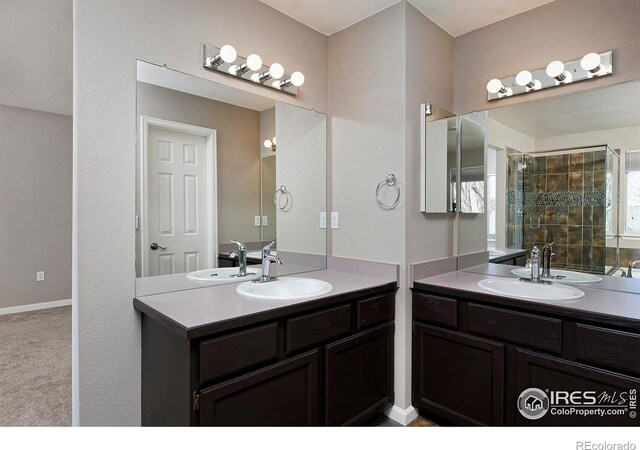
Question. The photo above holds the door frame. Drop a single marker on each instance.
(211, 189)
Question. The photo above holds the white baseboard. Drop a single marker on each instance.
(403, 416)
(34, 307)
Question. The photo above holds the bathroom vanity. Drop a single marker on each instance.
(474, 353)
(213, 358)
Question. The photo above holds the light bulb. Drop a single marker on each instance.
(233, 69)
(495, 86)
(297, 79)
(268, 144)
(228, 53)
(255, 77)
(555, 69)
(254, 62)
(524, 78)
(274, 140)
(591, 62)
(276, 71)
(277, 84)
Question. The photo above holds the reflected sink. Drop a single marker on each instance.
(289, 288)
(258, 254)
(224, 275)
(567, 276)
(511, 287)
(493, 253)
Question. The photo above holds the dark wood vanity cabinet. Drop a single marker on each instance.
(329, 365)
(472, 359)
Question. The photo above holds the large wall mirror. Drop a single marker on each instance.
(217, 165)
(565, 170)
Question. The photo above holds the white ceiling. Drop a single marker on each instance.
(36, 55)
(456, 17)
(617, 106)
(178, 81)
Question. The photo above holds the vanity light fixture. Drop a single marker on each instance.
(525, 78)
(296, 79)
(276, 71)
(270, 143)
(225, 60)
(254, 62)
(227, 54)
(557, 73)
(555, 70)
(496, 87)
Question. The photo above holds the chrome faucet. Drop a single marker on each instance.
(535, 268)
(535, 265)
(267, 259)
(241, 254)
(547, 255)
(619, 269)
(632, 264)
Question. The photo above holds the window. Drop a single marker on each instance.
(632, 192)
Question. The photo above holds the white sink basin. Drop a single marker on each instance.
(224, 275)
(495, 253)
(289, 288)
(567, 276)
(511, 287)
(258, 254)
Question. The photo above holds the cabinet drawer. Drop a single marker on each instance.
(610, 348)
(235, 351)
(375, 310)
(533, 331)
(311, 329)
(434, 309)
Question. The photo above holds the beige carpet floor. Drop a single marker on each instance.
(35, 368)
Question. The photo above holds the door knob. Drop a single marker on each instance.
(155, 246)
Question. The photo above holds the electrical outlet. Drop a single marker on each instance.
(323, 220)
(335, 220)
(39, 276)
(265, 221)
(256, 221)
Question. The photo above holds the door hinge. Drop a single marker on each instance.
(195, 400)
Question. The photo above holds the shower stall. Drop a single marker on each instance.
(567, 197)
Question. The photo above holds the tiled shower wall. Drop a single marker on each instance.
(566, 194)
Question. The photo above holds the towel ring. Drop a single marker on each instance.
(391, 181)
(277, 199)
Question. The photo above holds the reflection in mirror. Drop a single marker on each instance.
(561, 171)
(472, 185)
(439, 160)
(206, 178)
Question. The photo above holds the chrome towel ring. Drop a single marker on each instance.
(391, 181)
(277, 199)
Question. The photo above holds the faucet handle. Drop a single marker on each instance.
(241, 246)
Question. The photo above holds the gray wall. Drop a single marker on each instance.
(35, 206)
(238, 153)
(106, 333)
(564, 30)
(369, 141)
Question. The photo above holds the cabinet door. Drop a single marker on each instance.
(553, 374)
(458, 377)
(359, 376)
(284, 394)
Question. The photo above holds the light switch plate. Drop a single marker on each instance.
(323, 220)
(335, 220)
(39, 276)
(256, 221)
(265, 221)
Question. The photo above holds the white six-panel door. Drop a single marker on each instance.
(177, 196)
